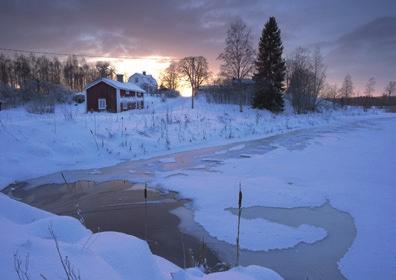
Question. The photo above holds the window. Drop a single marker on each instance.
(102, 104)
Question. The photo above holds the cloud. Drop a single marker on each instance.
(178, 28)
(367, 51)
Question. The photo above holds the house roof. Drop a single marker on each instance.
(125, 86)
(143, 79)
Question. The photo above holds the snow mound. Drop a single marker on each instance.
(25, 236)
(239, 273)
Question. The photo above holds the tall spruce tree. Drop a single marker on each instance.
(270, 69)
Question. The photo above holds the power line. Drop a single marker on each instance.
(85, 55)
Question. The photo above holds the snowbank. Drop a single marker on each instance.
(25, 236)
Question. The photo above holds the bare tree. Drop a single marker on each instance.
(346, 90)
(330, 92)
(289, 71)
(170, 77)
(56, 71)
(319, 71)
(195, 70)
(238, 56)
(23, 70)
(32, 73)
(6, 70)
(390, 88)
(105, 69)
(307, 78)
(370, 87)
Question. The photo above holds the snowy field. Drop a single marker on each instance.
(34, 145)
(351, 169)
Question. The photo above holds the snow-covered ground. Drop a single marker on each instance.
(352, 170)
(25, 239)
(33, 145)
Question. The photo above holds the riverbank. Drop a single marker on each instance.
(288, 170)
(35, 145)
(120, 206)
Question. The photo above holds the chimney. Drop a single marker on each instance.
(120, 78)
(144, 73)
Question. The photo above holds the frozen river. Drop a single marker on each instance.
(327, 209)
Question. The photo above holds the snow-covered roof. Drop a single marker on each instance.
(143, 79)
(116, 84)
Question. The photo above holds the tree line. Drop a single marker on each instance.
(20, 71)
(260, 77)
(40, 81)
(263, 77)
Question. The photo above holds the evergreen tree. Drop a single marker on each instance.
(270, 69)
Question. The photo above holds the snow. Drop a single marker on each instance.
(104, 255)
(236, 148)
(210, 211)
(240, 273)
(167, 160)
(34, 145)
(346, 168)
(352, 168)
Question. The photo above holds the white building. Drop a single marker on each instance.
(144, 81)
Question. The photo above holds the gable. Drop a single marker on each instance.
(101, 86)
(116, 85)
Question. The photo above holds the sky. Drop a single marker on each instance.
(355, 36)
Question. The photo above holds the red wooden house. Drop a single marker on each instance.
(113, 96)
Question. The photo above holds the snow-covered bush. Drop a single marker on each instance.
(40, 105)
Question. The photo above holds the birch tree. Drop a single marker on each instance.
(370, 87)
(195, 70)
(390, 88)
(238, 56)
(105, 69)
(307, 79)
(170, 77)
(346, 90)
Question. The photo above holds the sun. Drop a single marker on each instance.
(184, 88)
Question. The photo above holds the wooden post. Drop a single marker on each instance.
(239, 223)
(145, 212)
(192, 98)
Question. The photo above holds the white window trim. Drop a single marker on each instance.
(102, 104)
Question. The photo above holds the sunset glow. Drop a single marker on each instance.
(153, 65)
